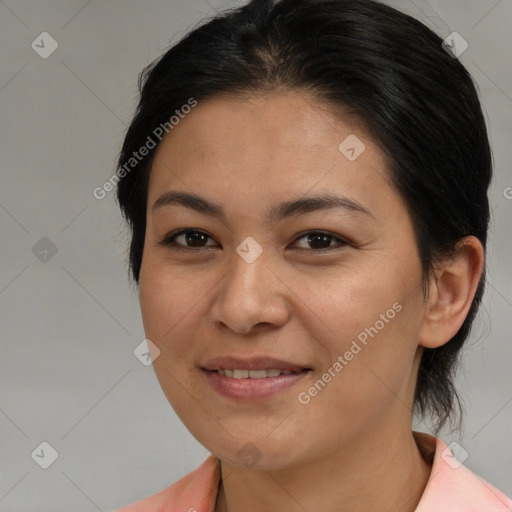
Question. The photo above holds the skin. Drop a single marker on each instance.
(351, 447)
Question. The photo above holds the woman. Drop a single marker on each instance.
(306, 187)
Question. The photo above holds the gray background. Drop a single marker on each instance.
(68, 375)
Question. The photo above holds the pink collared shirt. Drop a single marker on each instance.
(450, 488)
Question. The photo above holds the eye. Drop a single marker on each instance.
(320, 240)
(195, 237)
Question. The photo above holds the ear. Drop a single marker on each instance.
(451, 292)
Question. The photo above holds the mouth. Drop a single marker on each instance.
(253, 367)
(255, 374)
(252, 379)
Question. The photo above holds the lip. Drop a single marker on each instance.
(253, 363)
(252, 389)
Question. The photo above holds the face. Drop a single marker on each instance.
(269, 278)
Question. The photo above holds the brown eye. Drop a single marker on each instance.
(321, 240)
(190, 239)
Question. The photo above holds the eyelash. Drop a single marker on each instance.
(168, 241)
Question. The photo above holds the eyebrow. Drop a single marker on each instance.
(296, 207)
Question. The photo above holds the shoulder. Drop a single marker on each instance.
(195, 492)
(453, 487)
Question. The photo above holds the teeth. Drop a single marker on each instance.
(257, 374)
(253, 374)
(241, 374)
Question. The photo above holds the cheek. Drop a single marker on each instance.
(372, 322)
(351, 303)
(173, 303)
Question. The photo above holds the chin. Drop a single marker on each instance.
(257, 455)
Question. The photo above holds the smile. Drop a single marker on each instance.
(250, 385)
(252, 374)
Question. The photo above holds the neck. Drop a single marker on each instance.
(384, 471)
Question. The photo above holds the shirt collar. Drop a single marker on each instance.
(451, 486)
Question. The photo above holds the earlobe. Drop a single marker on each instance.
(451, 292)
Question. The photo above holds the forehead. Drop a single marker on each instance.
(277, 120)
(273, 145)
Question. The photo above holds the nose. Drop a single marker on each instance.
(250, 297)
